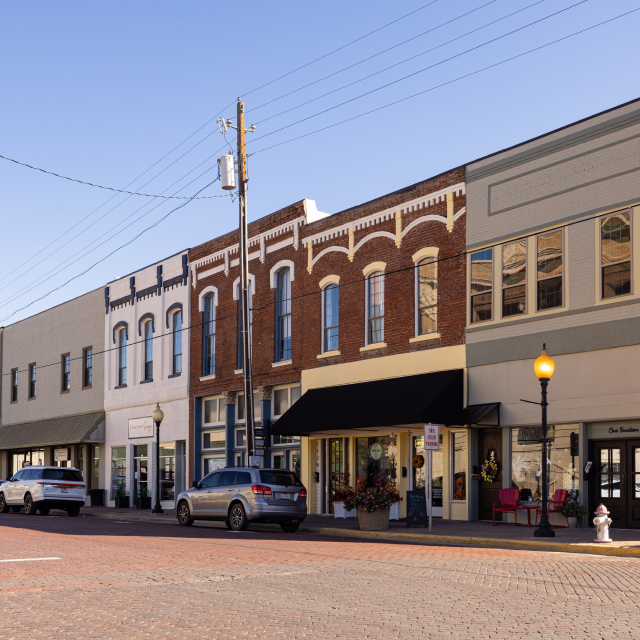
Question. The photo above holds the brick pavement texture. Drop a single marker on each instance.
(139, 580)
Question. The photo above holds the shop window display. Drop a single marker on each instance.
(376, 457)
(118, 471)
(459, 460)
(167, 471)
(526, 464)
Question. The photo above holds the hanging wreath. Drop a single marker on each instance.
(489, 470)
(418, 461)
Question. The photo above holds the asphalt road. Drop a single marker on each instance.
(110, 579)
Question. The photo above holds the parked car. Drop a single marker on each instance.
(41, 488)
(239, 496)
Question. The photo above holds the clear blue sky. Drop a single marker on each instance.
(101, 91)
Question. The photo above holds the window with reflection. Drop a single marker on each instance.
(176, 364)
(514, 278)
(481, 285)
(283, 316)
(375, 308)
(459, 465)
(549, 270)
(615, 252)
(122, 357)
(209, 355)
(609, 472)
(330, 318)
(427, 296)
(148, 351)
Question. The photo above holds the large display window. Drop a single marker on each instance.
(376, 459)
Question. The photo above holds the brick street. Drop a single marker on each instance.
(139, 580)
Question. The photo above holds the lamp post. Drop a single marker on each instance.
(544, 367)
(158, 417)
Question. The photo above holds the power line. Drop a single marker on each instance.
(435, 260)
(90, 184)
(155, 224)
(411, 75)
(397, 64)
(444, 84)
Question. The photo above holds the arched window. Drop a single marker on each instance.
(148, 351)
(122, 357)
(177, 342)
(375, 307)
(330, 316)
(283, 315)
(427, 298)
(239, 298)
(208, 367)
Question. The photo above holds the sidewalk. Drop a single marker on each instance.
(626, 542)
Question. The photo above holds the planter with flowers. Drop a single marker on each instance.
(572, 510)
(373, 508)
(341, 493)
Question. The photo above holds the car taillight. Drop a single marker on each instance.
(303, 493)
(261, 490)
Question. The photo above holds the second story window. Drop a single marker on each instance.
(375, 308)
(615, 252)
(283, 316)
(32, 380)
(177, 342)
(481, 285)
(66, 372)
(148, 351)
(514, 278)
(122, 357)
(14, 385)
(330, 315)
(549, 270)
(87, 367)
(427, 296)
(209, 355)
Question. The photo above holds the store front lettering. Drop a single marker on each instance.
(624, 430)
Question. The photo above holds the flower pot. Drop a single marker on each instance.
(143, 503)
(122, 502)
(340, 512)
(394, 512)
(572, 522)
(377, 520)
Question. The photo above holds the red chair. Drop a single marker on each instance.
(508, 504)
(560, 497)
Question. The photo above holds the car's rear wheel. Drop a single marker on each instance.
(290, 527)
(238, 518)
(4, 507)
(74, 511)
(29, 508)
(184, 515)
(44, 511)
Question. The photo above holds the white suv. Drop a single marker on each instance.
(41, 489)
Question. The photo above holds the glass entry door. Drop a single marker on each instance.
(336, 468)
(140, 476)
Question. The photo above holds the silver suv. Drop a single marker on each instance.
(241, 495)
(40, 488)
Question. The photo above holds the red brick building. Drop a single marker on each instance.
(373, 293)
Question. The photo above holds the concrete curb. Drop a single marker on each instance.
(499, 543)
(415, 538)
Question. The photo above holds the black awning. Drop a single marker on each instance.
(429, 397)
(474, 413)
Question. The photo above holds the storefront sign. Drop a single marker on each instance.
(623, 430)
(431, 437)
(60, 455)
(141, 428)
(376, 451)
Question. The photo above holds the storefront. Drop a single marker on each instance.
(368, 438)
(69, 441)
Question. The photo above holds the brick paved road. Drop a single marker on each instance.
(139, 580)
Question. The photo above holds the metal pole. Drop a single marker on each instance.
(157, 508)
(544, 529)
(430, 507)
(244, 297)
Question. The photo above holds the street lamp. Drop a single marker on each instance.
(158, 417)
(544, 367)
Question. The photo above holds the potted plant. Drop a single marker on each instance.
(372, 508)
(143, 500)
(390, 484)
(572, 510)
(122, 498)
(340, 494)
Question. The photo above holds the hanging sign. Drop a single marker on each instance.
(61, 455)
(141, 428)
(431, 437)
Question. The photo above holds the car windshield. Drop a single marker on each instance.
(69, 475)
(286, 478)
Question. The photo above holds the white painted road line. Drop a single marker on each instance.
(29, 559)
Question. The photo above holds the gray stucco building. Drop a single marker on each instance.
(52, 397)
(553, 228)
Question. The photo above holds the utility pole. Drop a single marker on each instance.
(228, 182)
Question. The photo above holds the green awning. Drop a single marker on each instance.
(84, 427)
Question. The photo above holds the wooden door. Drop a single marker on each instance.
(490, 444)
(609, 479)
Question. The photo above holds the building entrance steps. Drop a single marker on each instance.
(626, 542)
